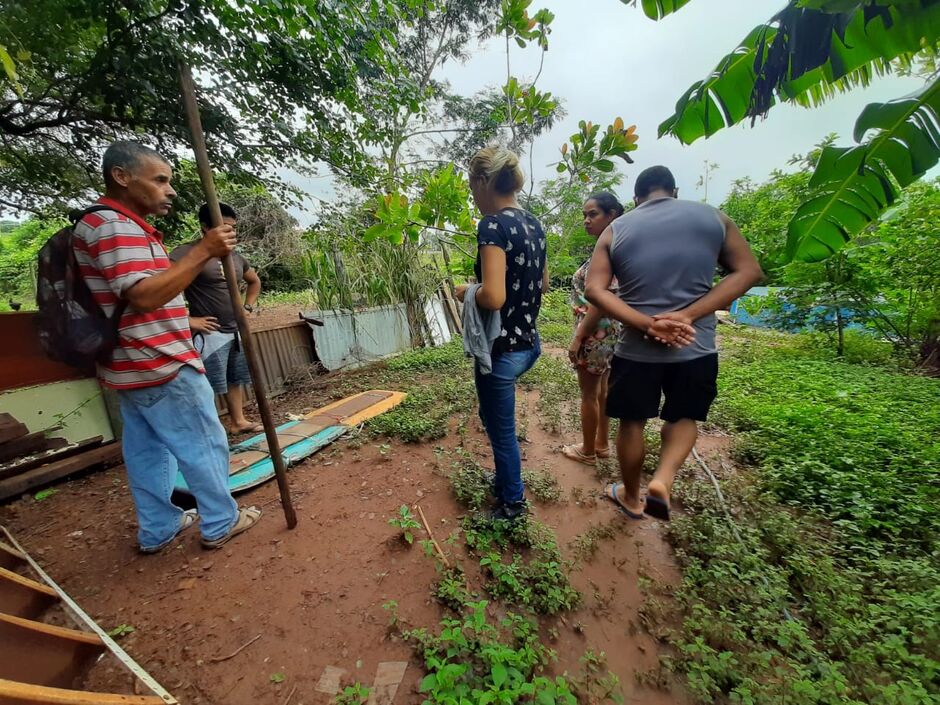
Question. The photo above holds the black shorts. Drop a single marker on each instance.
(636, 388)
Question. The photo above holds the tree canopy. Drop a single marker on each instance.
(280, 84)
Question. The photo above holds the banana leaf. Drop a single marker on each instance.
(657, 9)
(852, 186)
(804, 56)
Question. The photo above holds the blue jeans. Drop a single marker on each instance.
(169, 427)
(497, 394)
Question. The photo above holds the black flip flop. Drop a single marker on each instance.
(657, 508)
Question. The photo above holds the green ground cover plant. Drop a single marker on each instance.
(405, 520)
(432, 399)
(556, 321)
(824, 588)
(488, 648)
(556, 384)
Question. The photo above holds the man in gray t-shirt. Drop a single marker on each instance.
(664, 253)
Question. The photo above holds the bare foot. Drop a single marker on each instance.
(657, 500)
(658, 489)
(245, 427)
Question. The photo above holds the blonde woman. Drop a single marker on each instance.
(592, 345)
(511, 267)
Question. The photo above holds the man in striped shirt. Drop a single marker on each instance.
(167, 406)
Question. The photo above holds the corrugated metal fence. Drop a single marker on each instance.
(282, 350)
(353, 340)
(344, 340)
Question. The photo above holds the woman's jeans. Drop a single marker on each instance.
(497, 394)
(169, 427)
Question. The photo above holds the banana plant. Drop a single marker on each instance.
(852, 186)
(804, 55)
(657, 9)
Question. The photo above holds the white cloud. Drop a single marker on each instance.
(606, 59)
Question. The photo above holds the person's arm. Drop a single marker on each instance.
(253, 289)
(597, 291)
(545, 279)
(203, 324)
(492, 293)
(744, 272)
(151, 292)
(584, 330)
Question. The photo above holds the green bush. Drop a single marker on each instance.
(853, 443)
(827, 591)
(19, 248)
(556, 308)
(449, 355)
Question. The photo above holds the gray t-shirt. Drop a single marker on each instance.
(664, 254)
(208, 295)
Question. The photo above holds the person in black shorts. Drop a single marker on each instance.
(664, 254)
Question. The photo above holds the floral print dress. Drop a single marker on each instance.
(597, 350)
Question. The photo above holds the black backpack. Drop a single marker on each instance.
(72, 327)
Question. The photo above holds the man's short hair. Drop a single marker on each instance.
(654, 179)
(205, 218)
(127, 155)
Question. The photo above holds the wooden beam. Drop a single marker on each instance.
(43, 654)
(10, 428)
(23, 597)
(43, 475)
(15, 693)
(15, 467)
(27, 445)
(9, 557)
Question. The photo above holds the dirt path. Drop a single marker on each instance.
(315, 594)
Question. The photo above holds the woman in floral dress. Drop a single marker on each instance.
(592, 346)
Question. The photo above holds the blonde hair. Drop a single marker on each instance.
(498, 168)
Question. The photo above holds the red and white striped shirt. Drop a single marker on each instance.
(114, 252)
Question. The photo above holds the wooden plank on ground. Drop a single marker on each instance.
(10, 558)
(15, 693)
(10, 428)
(44, 654)
(43, 475)
(15, 467)
(23, 597)
(28, 444)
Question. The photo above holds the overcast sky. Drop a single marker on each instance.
(606, 59)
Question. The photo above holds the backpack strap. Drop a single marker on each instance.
(75, 217)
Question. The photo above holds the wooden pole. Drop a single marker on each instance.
(228, 266)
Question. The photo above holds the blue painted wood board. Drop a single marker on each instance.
(263, 470)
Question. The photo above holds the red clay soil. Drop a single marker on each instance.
(315, 594)
(273, 316)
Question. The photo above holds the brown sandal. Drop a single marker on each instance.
(574, 452)
(247, 517)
